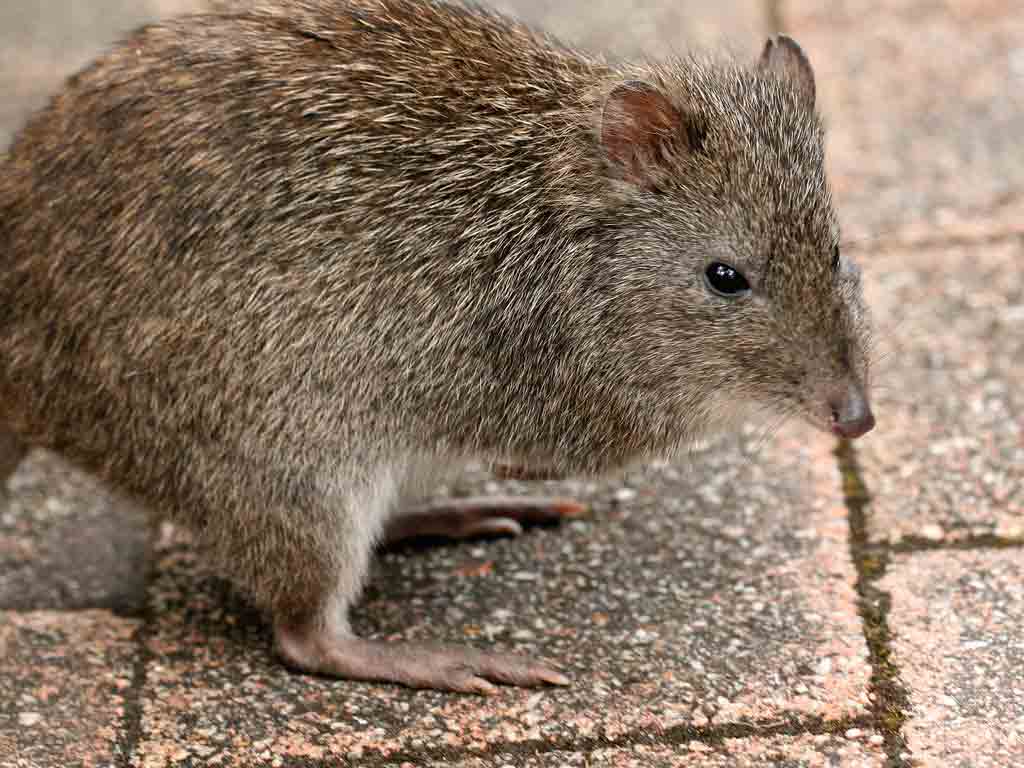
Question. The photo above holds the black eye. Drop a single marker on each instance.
(726, 281)
(835, 257)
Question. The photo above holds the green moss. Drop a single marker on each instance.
(890, 701)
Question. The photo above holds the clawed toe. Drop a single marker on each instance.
(480, 516)
(448, 668)
(491, 526)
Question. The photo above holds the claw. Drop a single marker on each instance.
(493, 526)
(480, 516)
(464, 670)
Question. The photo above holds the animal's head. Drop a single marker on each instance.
(728, 232)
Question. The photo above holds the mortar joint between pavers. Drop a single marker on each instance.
(130, 732)
(890, 701)
(715, 736)
(910, 545)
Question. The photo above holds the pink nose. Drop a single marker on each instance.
(851, 414)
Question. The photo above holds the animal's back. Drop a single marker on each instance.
(234, 228)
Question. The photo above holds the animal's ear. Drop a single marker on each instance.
(787, 59)
(640, 128)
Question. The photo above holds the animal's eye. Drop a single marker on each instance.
(835, 258)
(725, 280)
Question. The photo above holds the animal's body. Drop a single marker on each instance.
(262, 267)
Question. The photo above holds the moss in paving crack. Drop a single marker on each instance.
(131, 727)
(911, 544)
(891, 702)
(786, 724)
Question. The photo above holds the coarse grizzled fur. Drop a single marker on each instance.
(261, 266)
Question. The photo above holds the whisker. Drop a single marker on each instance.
(764, 431)
(854, 243)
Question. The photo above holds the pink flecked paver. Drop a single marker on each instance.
(649, 27)
(696, 596)
(822, 751)
(925, 156)
(951, 385)
(925, 110)
(700, 595)
(63, 683)
(726, 598)
(956, 618)
(66, 542)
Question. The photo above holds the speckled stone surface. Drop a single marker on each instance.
(634, 28)
(950, 385)
(705, 612)
(823, 751)
(700, 596)
(67, 543)
(807, 752)
(64, 679)
(926, 110)
(925, 156)
(925, 116)
(957, 618)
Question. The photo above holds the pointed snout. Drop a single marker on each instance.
(851, 413)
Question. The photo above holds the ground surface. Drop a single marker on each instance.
(778, 604)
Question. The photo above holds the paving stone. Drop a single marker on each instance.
(41, 43)
(63, 683)
(956, 618)
(649, 27)
(924, 149)
(781, 752)
(722, 592)
(66, 542)
(945, 461)
(926, 112)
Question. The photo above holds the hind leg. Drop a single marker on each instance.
(473, 517)
(312, 632)
(307, 564)
(331, 649)
(478, 516)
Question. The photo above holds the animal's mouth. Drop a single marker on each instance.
(850, 411)
(845, 413)
(853, 430)
(834, 429)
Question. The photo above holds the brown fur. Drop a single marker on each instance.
(258, 266)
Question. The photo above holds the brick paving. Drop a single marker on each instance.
(956, 620)
(767, 603)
